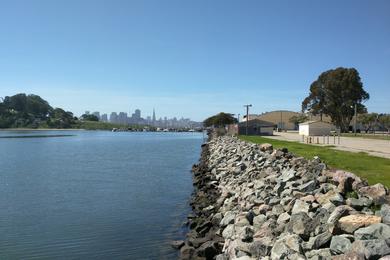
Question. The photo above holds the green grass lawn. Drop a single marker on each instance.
(373, 169)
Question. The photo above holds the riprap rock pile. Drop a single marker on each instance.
(254, 202)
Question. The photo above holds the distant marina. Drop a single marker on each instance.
(158, 129)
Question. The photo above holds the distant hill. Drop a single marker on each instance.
(32, 111)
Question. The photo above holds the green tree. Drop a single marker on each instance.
(5, 117)
(23, 110)
(384, 120)
(335, 94)
(2, 106)
(315, 102)
(16, 102)
(368, 120)
(60, 118)
(37, 106)
(89, 117)
(220, 120)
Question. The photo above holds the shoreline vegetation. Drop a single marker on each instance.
(79, 126)
(32, 136)
(30, 112)
(255, 201)
(40, 129)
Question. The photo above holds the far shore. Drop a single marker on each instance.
(41, 129)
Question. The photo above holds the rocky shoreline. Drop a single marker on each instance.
(254, 202)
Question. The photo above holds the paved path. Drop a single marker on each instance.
(374, 147)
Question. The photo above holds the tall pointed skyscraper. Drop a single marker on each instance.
(154, 118)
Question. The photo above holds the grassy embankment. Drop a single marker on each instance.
(373, 169)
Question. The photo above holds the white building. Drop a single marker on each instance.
(315, 128)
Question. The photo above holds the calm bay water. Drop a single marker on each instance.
(94, 195)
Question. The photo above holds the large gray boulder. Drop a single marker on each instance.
(319, 241)
(288, 175)
(375, 231)
(241, 220)
(320, 254)
(286, 246)
(261, 247)
(340, 245)
(372, 249)
(375, 192)
(300, 206)
(283, 218)
(259, 220)
(229, 232)
(385, 213)
(359, 204)
(331, 196)
(300, 224)
(338, 213)
(208, 250)
(228, 218)
(346, 181)
(308, 186)
(266, 230)
(216, 219)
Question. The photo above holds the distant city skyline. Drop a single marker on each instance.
(138, 113)
(190, 58)
(137, 119)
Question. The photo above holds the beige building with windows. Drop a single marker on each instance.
(281, 118)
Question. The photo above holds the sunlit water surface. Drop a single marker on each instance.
(95, 195)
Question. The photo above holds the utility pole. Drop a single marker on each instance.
(247, 117)
(281, 120)
(355, 118)
(238, 118)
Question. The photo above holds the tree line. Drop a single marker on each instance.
(32, 111)
(220, 120)
(371, 121)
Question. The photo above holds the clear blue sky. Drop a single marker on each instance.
(189, 58)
